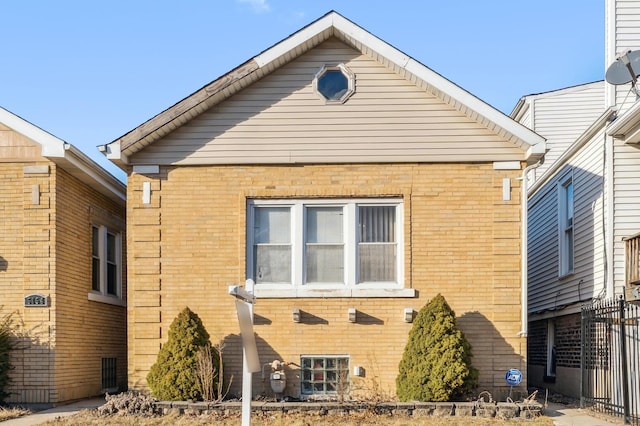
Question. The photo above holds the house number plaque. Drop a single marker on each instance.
(36, 300)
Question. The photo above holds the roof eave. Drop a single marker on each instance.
(67, 156)
(330, 24)
(626, 127)
(597, 126)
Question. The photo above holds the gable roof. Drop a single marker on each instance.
(67, 157)
(523, 104)
(330, 25)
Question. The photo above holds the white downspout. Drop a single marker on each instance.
(524, 257)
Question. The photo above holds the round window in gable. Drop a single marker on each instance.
(335, 83)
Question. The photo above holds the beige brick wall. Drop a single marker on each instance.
(26, 245)
(461, 240)
(86, 331)
(45, 248)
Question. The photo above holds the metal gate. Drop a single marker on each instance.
(610, 359)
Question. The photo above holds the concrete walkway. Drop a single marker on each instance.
(565, 415)
(53, 413)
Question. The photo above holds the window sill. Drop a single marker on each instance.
(262, 292)
(565, 276)
(109, 300)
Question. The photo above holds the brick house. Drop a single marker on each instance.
(62, 267)
(339, 175)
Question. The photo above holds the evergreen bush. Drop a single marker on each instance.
(436, 364)
(6, 344)
(173, 377)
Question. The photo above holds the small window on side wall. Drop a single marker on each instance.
(106, 265)
(565, 231)
(334, 83)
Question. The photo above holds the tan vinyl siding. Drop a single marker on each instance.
(16, 147)
(280, 119)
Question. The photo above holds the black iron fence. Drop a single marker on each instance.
(611, 359)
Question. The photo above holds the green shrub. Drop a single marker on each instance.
(436, 364)
(6, 344)
(173, 377)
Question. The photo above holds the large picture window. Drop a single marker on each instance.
(325, 243)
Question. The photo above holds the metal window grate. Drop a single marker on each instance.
(109, 374)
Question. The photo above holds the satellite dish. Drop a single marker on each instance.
(625, 69)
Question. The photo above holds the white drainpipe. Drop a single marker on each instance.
(524, 260)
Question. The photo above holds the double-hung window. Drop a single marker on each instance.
(320, 244)
(566, 235)
(106, 264)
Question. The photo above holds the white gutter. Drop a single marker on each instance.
(92, 169)
(524, 293)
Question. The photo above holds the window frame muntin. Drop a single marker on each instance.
(102, 295)
(313, 395)
(349, 75)
(350, 237)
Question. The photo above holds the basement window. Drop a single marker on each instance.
(109, 374)
(335, 83)
(324, 375)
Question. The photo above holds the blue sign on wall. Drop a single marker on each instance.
(513, 377)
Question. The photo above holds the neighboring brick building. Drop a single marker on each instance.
(336, 173)
(55, 206)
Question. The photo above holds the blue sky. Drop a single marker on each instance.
(90, 71)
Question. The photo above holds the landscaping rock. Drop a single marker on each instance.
(465, 409)
(507, 411)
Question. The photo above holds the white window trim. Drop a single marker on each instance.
(102, 295)
(346, 72)
(348, 289)
(564, 264)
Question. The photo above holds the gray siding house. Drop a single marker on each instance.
(583, 223)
